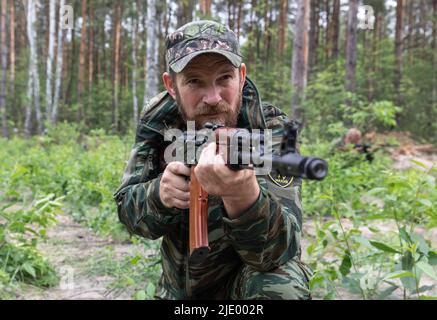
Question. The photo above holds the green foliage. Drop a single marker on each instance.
(84, 169)
(137, 272)
(326, 110)
(20, 231)
(351, 252)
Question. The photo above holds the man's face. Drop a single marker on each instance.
(209, 89)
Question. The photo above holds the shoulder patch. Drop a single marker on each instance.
(280, 180)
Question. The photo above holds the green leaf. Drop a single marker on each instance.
(386, 292)
(374, 229)
(346, 264)
(150, 290)
(363, 241)
(140, 295)
(425, 267)
(405, 235)
(329, 296)
(376, 190)
(420, 164)
(407, 261)
(383, 247)
(428, 297)
(29, 269)
(432, 258)
(421, 243)
(135, 260)
(399, 274)
(425, 202)
(426, 288)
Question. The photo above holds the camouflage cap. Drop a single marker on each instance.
(200, 37)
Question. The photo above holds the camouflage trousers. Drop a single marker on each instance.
(287, 282)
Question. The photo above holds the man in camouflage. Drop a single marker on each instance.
(254, 222)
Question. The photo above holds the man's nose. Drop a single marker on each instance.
(212, 96)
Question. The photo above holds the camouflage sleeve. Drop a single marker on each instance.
(268, 234)
(138, 202)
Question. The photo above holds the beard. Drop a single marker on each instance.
(222, 113)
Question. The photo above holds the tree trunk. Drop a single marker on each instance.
(58, 76)
(313, 36)
(351, 46)
(373, 57)
(184, 11)
(3, 68)
(134, 62)
(267, 33)
(239, 17)
(434, 52)
(33, 63)
(91, 49)
(73, 63)
(152, 53)
(12, 50)
(399, 49)
(410, 30)
(335, 29)
(283, 9)
(230, 20)
(327, 30)
(116, 68)
(82, 53)
(50, 54)
(205, 8)
(300, 58)
(252, 34)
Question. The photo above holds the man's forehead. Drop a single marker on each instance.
(208, 62)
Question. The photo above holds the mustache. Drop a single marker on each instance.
(206, 109)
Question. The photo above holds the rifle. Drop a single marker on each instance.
(287, 163)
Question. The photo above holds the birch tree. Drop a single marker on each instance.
(54, 115)
(151, 85)
(300, 58)
(33, 89)
(50, 57)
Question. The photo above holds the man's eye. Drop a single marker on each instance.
(226, 77)
(193, 81)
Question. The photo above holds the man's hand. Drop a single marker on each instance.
(174, 188)
(238, 189)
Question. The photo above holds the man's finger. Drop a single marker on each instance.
(180, 195)
(180, 183)
(181, 204)
(179, 168)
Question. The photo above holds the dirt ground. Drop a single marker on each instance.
(69, 247)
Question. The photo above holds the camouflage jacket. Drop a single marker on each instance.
(264, 237)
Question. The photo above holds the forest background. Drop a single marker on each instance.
(74, 76)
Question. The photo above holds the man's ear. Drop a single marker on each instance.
(169, 85)
(242, 74)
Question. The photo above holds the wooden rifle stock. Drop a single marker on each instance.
(199, 247)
